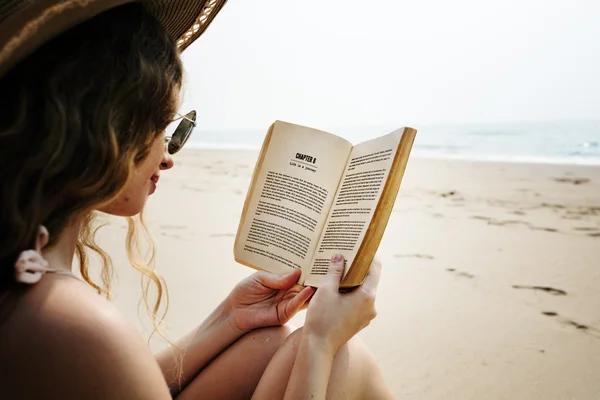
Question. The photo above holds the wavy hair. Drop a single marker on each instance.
(75, 119)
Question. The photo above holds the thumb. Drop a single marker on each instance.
(336, 270)
(275, 281)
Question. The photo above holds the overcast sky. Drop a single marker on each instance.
(395, 62)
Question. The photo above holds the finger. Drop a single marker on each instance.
(336, 270)
(276, 281)
(307, 302)
(298, 302)
(372, 280)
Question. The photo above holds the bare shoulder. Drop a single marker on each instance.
(62, 340)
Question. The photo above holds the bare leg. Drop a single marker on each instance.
(261, 362)
(235, 373)
(355, 373)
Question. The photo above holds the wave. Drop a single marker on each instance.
(493, 133)
(221, 146)
(446, 147)
(544, 142)
(511, 159)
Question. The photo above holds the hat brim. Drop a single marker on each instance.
(40, 21)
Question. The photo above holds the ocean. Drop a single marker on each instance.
(565, 142)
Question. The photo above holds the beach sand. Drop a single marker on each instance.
(491, 279)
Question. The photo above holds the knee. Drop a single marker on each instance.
(354, 369)
(292, 343)
(266, 340)
(354, 349)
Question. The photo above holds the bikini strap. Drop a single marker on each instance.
(31, 265)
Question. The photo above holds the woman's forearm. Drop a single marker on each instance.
(198, 348)
(311, 371)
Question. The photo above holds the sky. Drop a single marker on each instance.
(344, 63)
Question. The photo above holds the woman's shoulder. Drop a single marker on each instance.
(62, 338)
(55, 301)
(59, 304)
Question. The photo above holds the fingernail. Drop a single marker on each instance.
(337, 258)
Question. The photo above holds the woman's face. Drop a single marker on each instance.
(142, 183)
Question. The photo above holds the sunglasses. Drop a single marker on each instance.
(182, 133)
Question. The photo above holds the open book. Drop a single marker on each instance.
(314, 194)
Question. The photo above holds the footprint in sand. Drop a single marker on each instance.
(188, 187)
(422, 256)
(573, 181)
(517, 222)
(171, 235)
(553, 206)
(452, 194)
(537, 228)
(549, 313)
(460, 273)
(547, 289)
(593, 232)
(175, 231)
(569, 322)
(586, 229)
(508, 222)
(175, 227)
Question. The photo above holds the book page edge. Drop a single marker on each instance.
(366, 251)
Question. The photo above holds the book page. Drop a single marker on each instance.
(361, 186)
(291, 197)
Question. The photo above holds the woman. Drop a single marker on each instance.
(87, 90)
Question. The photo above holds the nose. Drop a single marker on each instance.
(166, 162)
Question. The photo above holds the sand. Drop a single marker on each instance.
(491, 280)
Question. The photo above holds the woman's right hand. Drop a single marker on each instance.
(333, 318)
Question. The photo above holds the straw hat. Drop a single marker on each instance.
(25, 25)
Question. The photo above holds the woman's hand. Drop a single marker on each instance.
(333, 318)
(266, 299)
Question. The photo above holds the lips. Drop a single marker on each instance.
(153, 181)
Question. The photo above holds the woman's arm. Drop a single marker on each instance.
(260, 300)
(311, 371)
(332, 319)
(198, 348)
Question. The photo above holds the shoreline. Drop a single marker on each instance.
(549, 161)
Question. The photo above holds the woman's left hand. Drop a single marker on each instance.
(266, 299)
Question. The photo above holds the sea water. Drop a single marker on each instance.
(564, 142)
